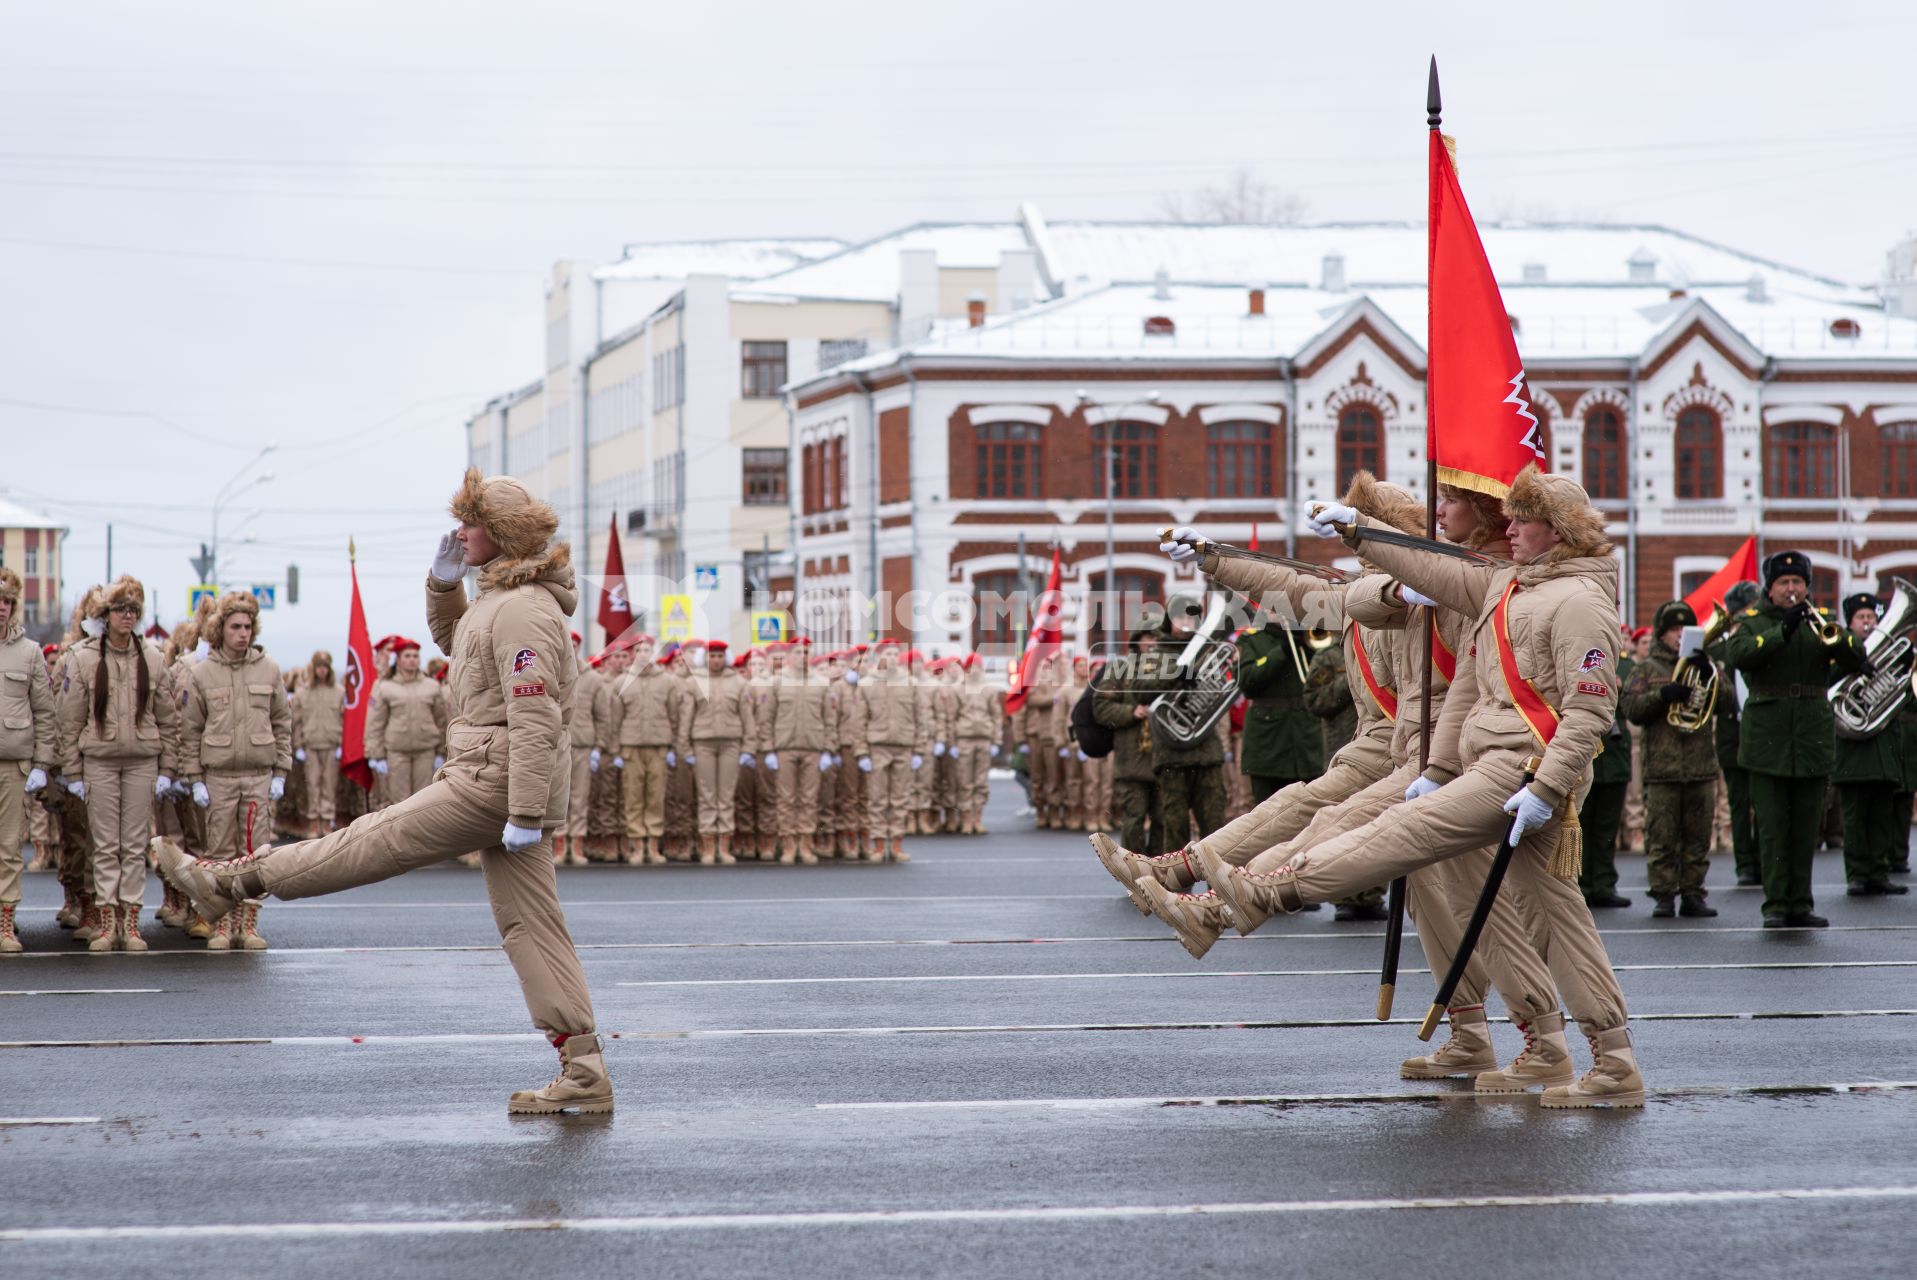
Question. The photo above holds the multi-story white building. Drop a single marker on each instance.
(1226, 376)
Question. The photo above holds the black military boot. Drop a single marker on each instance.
(1805, 920)
(1663, 907)
(1612, 898)
(1694, 906)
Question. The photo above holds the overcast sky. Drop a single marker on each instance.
(328, 226)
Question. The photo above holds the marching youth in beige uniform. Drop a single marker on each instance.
(504, 785)
(642, 726)
(756, 802)
(719, 723)
(1558, 607)
(980, 723)
(801, 713)
(406, 725)
(27, 745)
(889, 740)
(319, 714)
(944, 673)
(120, 745)
(591, 743)
(236, 745)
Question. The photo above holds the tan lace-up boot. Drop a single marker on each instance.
(221, 939)
(10, 944)
(1255, 896)
(897, 852)
(706, 855)
(170, 913)
(212, 888)
(1466, 1052)
(68, 917)
(1546, 1059)
(582, 1084)
(806, 856)
(197, 929)
(249, 928)
(1197, 918)
(130, 939)
(725, 851)
(89, 921)
(1612, 1081)
(106, 928)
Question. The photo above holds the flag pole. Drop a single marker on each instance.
(1394, 901)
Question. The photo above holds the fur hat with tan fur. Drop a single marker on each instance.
(231, 604)
(518, 523)
(1390, 503)
(9, 584)
(124, 590)
(1560, 502)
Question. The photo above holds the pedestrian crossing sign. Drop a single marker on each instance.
(200, 591)
(675, 618)
(768, 628)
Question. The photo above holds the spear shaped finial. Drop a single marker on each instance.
(352, 552)
(1433, 106)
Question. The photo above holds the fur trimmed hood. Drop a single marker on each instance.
(231, 603)
(519, 523)
(124, 590)
(1390, 503)
(9, 584)
(1560, 502)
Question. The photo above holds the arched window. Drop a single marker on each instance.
(1897, 454)
(1008, 459)
(1700, 454)
(1605, 472)
(1238, 460)
(1360, 443)
(1134, 589)
(1002, 609)
(1128, 458)
(1800, 460)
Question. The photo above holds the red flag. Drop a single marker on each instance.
(1741, 567)
(615, 607)
(356, 690)
(1480, 425)
(1254, 537)
(1047, 634)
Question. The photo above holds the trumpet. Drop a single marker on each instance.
(1828, 630)
(1316, 640)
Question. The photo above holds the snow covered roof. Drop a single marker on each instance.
(739, 259)
(869, 272)
(15, 516)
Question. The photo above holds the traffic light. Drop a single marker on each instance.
(292, 584)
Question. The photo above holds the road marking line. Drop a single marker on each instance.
(1308, 1099)
(97, 991)
(22, 1122)
(918, 1217)
(348, 904)
(742, 1033)
(1207, 973)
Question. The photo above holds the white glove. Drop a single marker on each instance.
(1085, 759)
(36, 780)
(378, 766)
(439, 762)
(746, 761)
(918, 762)
(1420, 786)
(826, 761)
(1064, 752)
(300, 755)
(851, 676)
(78, 789)
(337, 753)
(449, 562)
(1326, 514)
(1182, 544)
(672, 759)
(1531, 812)
(517, 838)
(277, 790)
(164, 784)
(995, 750)
(1411, 595)
(1229, 755)
(938, 749)
(618, 762)
(772, 761)
(865, 764)
(592, 761)
(691, 759)
(201, 796)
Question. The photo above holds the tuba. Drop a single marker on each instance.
(1208, 679)
(1864, 704)
(1699, 674)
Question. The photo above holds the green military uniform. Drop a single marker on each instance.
(1680, 773)
(1134, 785)
(1727, 730)
(1788, 739)
(1328, 697)
(1868, 776)
(1282, 742)
(1190, 779)
(1906, 791)
(1602, 814)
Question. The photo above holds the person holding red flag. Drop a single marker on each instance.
(502, 791)
(1036, 680)
(615, 606)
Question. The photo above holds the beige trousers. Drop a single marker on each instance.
(13, 824)
(974, 770)
(644, 783)
(1071, 778)
(1287, 812)
(1042, 765)
(889, 791)
(436, 824)
(1461, 819)
(1098, 793)
(798, 777)
(240, 817)
(407, 774)
(717, 768)
(322, 784)
(120, 814)
(579, 798)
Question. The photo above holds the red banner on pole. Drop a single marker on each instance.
(1741, 567)
(1047, 635)
(1482, 431)
(356, 689)
(615, 606)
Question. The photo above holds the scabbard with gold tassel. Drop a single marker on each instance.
(1480, 913)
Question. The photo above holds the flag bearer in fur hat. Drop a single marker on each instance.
(1788, 655)
(1679, 774)
(120, 743)
(236, 739)
(406, 725)
(503, 789)
(27, 745)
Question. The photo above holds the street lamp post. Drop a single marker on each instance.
(1111, 486)
(227, 493)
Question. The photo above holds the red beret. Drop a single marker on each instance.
(716, 646)
(401, 643)
(576, 637)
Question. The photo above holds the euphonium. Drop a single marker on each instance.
(1698, 673)
(1864, 704)
(1208, 668)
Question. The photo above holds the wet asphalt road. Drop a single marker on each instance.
(984, 1063)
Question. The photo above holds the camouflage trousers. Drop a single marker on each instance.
(1677, 836)
(1185, 791)
(1137, 806)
